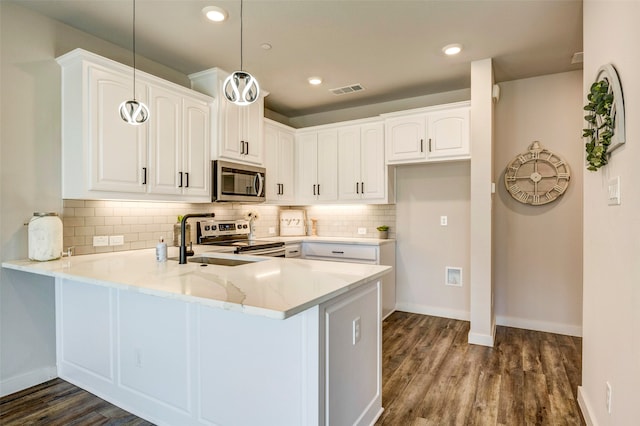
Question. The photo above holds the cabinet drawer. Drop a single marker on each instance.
(352, 252)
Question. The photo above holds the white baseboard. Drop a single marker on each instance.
(585, 407)
(483, 339)
(549, 327)
(24, 381)
(433, 311)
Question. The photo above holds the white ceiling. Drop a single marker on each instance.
(391, 47)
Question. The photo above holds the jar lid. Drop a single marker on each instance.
(40, 214)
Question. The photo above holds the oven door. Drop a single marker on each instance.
(271, 252)
(237, 182)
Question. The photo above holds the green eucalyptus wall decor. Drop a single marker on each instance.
(605, 117)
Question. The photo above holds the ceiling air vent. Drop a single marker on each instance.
(352, 88)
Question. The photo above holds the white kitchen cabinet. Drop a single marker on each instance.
(405, 138)
(361, 168)
(179, 145)
(239, 129)
(279, 156)
(103, 157)
(375, 254)
(428, 134)
(317, 166)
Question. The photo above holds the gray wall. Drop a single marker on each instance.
(30, 176)
(538, 249)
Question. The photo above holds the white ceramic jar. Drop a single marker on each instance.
(45, 236)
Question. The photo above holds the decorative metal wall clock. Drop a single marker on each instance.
(538, 176)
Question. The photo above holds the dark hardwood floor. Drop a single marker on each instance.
(430, 376)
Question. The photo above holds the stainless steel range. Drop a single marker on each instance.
(235, 234)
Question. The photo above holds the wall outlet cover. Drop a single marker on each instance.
(362, 231)
(116, 240)
(100, 241)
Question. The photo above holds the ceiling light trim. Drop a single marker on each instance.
(452, 49)
(215, 13)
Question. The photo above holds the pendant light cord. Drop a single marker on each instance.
(241, 32)
(134, 50)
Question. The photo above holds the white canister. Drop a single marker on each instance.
(45, 236)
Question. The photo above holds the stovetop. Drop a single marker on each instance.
(233, 233)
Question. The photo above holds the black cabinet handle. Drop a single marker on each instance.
(429, 144)
(144, 175)
(314, 189)
(247, 150)
(241, 147)
(357, 187)
(362, 187)
(337, 252)
(318, 189)
(421, 145)
(180, 173)
(187, 175)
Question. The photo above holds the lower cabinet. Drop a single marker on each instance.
(375, 254)
(176, 362)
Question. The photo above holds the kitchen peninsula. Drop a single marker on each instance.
(272, 341)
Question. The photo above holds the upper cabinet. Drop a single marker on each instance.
(361, 168)
(103, 157)
(317, 166)
(279, 159)
(239, 129)
(428, 134)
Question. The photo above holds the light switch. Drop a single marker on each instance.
(614, 191)
(443, 220)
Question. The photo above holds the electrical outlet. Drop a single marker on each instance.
(116, 240)
(356, 330)
(362, 231)
(100, 241)
(443, 220)
(272, 230)
(608, 400)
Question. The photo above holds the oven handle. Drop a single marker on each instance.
(271, 252)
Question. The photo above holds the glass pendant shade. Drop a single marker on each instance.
(241, 88)
(134, 112)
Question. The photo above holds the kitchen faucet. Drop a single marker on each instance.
(183, 227)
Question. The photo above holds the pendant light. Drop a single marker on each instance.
(241, 88)
(133, 111)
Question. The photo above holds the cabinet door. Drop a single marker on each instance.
(230, 131)
(271, 154)
(241, 131)
(252, 131)
(165, 134)
(373, 168)
(327, 168)
(449, 134)
(406, 138)
(307, 167)
(196, 148)
(118, 150)
(286, 164)
(349, 175)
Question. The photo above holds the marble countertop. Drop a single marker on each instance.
(271, 287)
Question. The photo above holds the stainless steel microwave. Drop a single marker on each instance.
(237, 182)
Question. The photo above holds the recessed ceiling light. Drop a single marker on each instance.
(315, 80)
(452, 49)
(215, 13)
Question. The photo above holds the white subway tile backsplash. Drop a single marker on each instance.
(143, 223)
